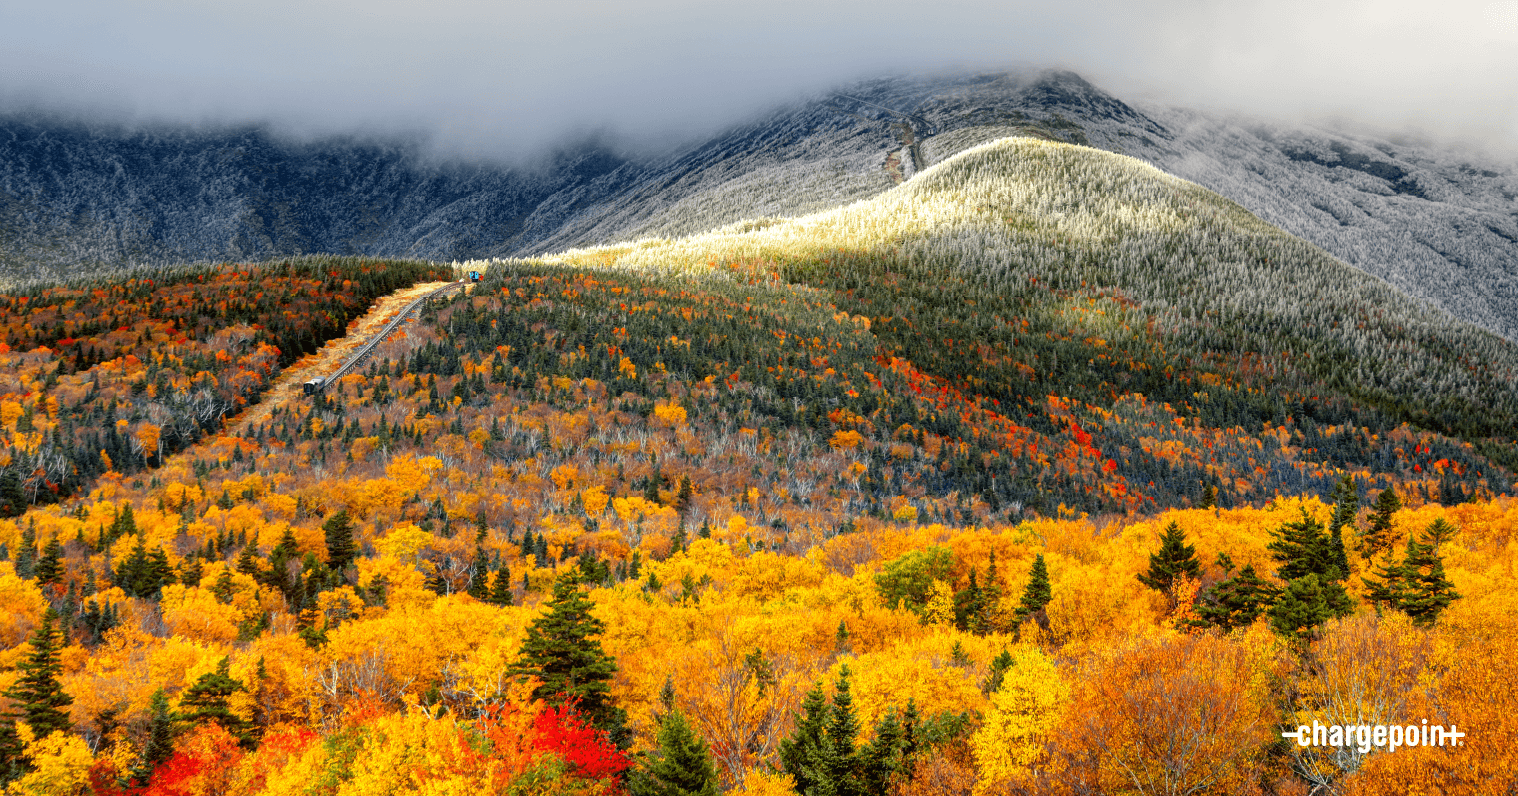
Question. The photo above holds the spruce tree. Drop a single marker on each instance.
(1174, 559)
(562, 652)
(681, 766)
(500, 591)
(684, 497)
(26, 554)
(1346, 498)
(206, 700)
(1304, 605)
(341, 551)
(12, 495)
(49, 567)
(1428, 591)
(479, 576)
(163, 725)
(1303, 548)
(1379, 535)
(1037, 595)
(38, 695)
(1387, 585)
(799, 753)
(1237, 601)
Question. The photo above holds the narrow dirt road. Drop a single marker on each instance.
(326, 360)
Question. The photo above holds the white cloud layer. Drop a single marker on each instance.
(511, 78)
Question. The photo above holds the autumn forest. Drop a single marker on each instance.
(818, 513)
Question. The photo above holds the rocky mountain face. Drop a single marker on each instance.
(1441, 227)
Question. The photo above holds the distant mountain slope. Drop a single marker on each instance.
(1434, 225)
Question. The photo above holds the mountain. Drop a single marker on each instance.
(1440, 227)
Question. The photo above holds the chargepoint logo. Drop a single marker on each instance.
(1368, 736)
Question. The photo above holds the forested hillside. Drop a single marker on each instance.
(1043, 472)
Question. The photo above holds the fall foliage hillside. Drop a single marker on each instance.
(1042, 472)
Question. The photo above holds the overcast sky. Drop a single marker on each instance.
(512, 77)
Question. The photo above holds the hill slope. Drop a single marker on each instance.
(1437, 226)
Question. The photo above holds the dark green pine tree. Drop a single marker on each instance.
(163, 726)
(479, 576)
(562, 652)
(1000, 665)
(207, 700)
(1303, 548)
(800, 752)
(1237, 601)
(1037, 595)
(1387, 586)
(191, 570)
(1346, 498)
(26, 552)
(341, 551)
(681, 766)
(247, 562)
(840, 758)
(38, 695)
(500, 591)
(49, 567)
(1428, 591)
(684, 497)
(12, 495)
(1304, 605)
(1174, 559)
(1379, 535)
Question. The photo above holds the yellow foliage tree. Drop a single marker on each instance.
(1024, 711)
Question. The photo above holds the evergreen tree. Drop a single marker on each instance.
(38, 695)
(479, 576)
(561, 651)
(684, 497)
(1304, 605)
(1174, 559)
(1346, 498)
(999, 666)
(26, 555)
(500, 591)
(163, 725)
(1387, 585)
(49, 567)
(1304, 548)
(1379, 535)
(341, 551)
(681, 766)
(1237, 601)
(800, 752)
(247, 562)
(1037, 595)
(207, 701)
(1428, 591)
(12, 495)
(191, 571)
(1209, 497)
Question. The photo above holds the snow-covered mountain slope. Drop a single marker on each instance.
(1439, 226)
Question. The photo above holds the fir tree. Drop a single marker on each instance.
(999, 666)
(163, 725)
(1237, 601)
(341, 551)
(38, 695)
(1346, 498)
(1428, 591)
(684, 497)
(1387, 585)
(207, 701)
(1037, 595)
(1174, 559)
(479, 576)
(1306, 604)
(49, 567)
(561, 651)
(26, 554)
(12, 495)
(681, 766)
(1379, 535)
(500, 591)
(1303, 548)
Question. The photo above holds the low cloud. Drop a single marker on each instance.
(508, 80)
